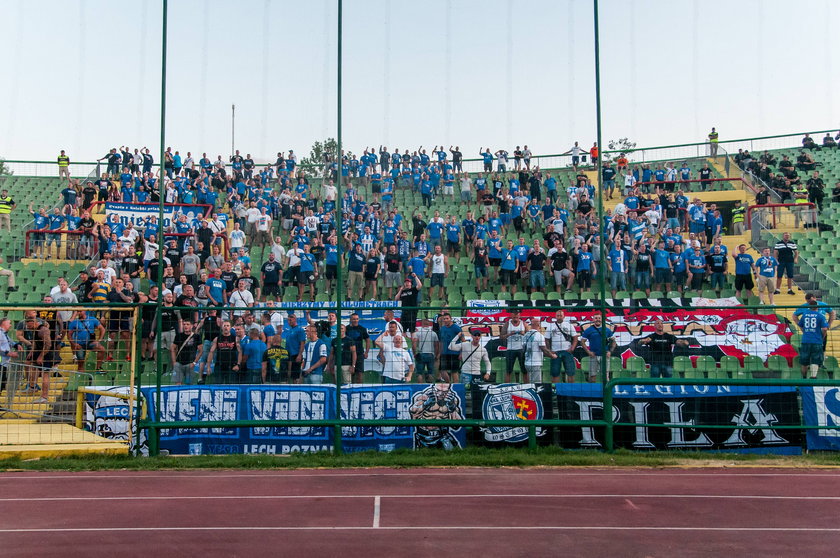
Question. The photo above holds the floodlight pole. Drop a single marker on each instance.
(339, 215)
(602, 261)
(154, 438)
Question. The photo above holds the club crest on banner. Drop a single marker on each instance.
(511, 402)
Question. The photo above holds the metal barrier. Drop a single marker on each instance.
(34, 392)
(39, 244)
(800, 216)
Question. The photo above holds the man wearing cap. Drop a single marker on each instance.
(472, 353)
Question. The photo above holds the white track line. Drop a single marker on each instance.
(377, 497)
(376, 508)
(435, 528)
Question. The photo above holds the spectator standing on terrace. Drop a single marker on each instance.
(563, 339)
(63, 165)
(315, 354)
(83, 332)
(787, 254)
(600, 344)
(7, 204)
(766, 270)
(744, 264)
(513, 331)
(472, 354)
(713, 143)
(185, 353)
(661, 346)
(535, 350)
(814, 331)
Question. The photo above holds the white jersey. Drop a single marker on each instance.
(438, 263)
(561, 335)
(534, 342)
(397, 363)
(515, 334)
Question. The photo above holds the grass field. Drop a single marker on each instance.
(471, 457)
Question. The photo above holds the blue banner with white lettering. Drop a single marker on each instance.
(402, 402)
(248, 402)
(660, 417)
(821, 407)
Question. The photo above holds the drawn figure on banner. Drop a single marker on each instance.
(512, 402)
(436, 402)
(107, 417)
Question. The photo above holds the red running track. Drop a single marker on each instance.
(422, 512)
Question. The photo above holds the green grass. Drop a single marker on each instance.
(472, 457)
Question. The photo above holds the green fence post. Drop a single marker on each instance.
(609, 443)
(532, 437)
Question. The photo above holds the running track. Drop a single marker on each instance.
(422, 512)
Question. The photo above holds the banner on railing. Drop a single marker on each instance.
(715, 327)
(248, 402)
(291, 402)
(525, 402)
(402, 402)
(108, 417)
(664, 417)
(821, 407)
(137, 213)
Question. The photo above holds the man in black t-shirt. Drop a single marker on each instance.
(361, 339)
(536, 266)
(270, 272)
(661, 346)
(705, 177)
(119, 321)
(226, 352)
(409, 296)
(185, 353)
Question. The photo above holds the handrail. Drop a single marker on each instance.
(583, 151)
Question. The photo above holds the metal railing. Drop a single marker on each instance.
(649, 154)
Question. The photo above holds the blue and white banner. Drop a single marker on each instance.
(248, 402)
(371, 314)
(108, 417)
(821, 407)
(137, 213)
(663, 417)
(402, 402)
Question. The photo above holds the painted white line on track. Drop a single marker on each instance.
(435, 528)
(378, 497)
(377, 502)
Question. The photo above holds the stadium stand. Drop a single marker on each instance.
(300, 206)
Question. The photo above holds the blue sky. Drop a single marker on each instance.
(85, 75)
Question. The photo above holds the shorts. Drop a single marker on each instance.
(291, 275)
(810, 353)
(38, 237)
(785, 268)
(495, 262)
(393, 278)
(466, 196)
(437, 279)
(744, 282)
(449, 363)
(766, 283)
(561, 274)
(480, 271)
(508, 277)
(369, 277)
(331, 272)
(119, 325)
(454, 246)
(376, 188)
(662, 275)
(595, 366)
(271, 289)
(306, 277)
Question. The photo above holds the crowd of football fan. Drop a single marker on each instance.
(287, 237)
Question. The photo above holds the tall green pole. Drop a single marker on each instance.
(602, 267)
(339, 295)
(155, 435)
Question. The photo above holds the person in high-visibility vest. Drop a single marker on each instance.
(7, 204)
(800, 197)
(738, 214)
(63, 166)
(713, 143)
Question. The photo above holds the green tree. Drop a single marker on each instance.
(4, 169)
(314, 162)
(622, 145)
